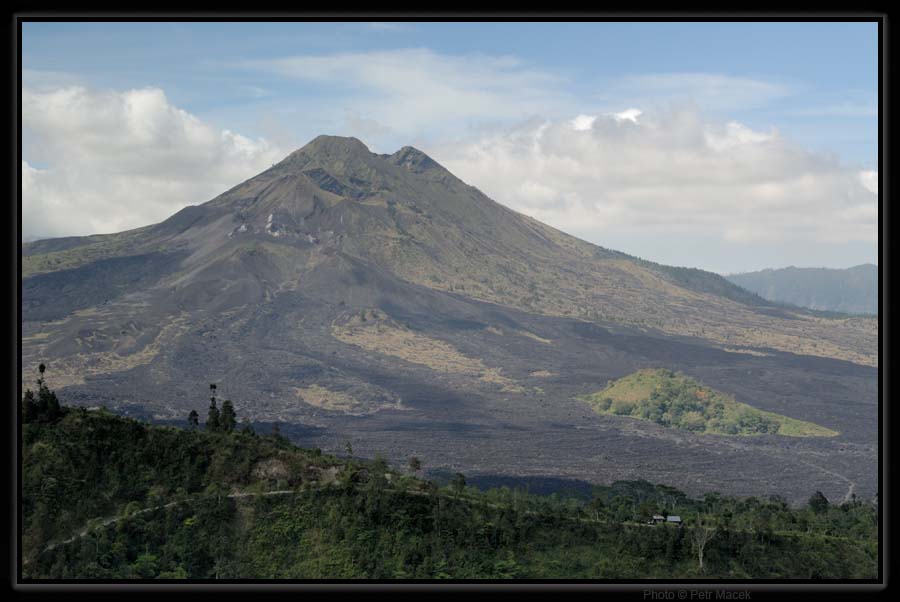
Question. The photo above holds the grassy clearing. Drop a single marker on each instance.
(752, 352)
(675, 400)
(72, 369)
(326, 399)
(372, 330)
(542, 373)
(344, 401)
(524, 333)
(531, 335)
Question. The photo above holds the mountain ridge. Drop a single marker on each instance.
(852, 290)
(432, 238)
(333, 152)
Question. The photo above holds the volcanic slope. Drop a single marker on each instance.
(374, 297)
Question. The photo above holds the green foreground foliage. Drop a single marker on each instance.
(675, 400)
(107, 497)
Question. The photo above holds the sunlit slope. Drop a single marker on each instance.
(678, 401)
(407, 215)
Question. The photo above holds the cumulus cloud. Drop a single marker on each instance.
(415, 94)
(869, 179)
(627, 115)
(105, 161)
(584, 122)
(632, 179)
(672, 173)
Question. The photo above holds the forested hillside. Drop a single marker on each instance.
(106, 497)
(852, 290)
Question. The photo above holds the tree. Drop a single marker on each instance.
(247, 428)
(458, 483)
(48, 400)
(146, 566)
(646, 510)
(349, 448)
(415, 464)
(818, 503)
(761, 523)
(43, 407)
(670, 496)
(227, 417)
(701, 534)
(29, 406)
(597, 506)
(379, 468)
(212, 417)
(179, 573)
(194, 419)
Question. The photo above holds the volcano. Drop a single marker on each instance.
(379, 299)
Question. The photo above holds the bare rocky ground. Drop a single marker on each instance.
(456, 423)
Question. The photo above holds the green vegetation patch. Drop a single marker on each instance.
(93, 248)
(676, 400)
(107, 497)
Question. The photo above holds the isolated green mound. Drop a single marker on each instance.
(676, 400)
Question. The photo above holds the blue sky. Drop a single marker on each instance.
(804, 93)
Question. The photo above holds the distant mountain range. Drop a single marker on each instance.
(378, 298)
(852, 290)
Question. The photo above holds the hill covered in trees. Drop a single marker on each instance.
(107, 497)
(675, 400)
(852, 290)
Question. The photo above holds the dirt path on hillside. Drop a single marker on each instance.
(851, 485)
(240, 495)
(114, 519)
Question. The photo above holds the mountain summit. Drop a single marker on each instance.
(344, 285)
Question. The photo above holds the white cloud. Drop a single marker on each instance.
(673, 174)
(115, 160)
(411, 95)
(413, 91)
(869, 180)
(586, 122)
(711, 91)
(101, 161)
(627, 115)
(583, 122)
(735, 134)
